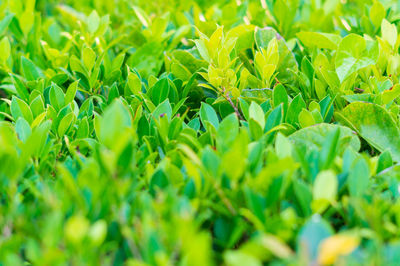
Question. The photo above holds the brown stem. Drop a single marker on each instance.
(225, 94)
(359, 90)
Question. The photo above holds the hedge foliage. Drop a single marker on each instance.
(187, 132)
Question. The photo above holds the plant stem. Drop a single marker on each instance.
(225, 94)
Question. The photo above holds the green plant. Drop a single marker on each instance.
(199, 132)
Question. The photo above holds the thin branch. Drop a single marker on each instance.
(225, 94)
(262, 89)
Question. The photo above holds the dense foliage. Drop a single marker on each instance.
(187, 132)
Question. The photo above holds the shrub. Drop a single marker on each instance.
(199, 132)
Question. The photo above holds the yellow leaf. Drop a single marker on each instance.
(390, 95)
(76, 228)
(223, 58)
(267, 72)
(389, 32)
(235, 92)
(243, 79)
(5, 49)
(89, 58)
(216, 39)
(276, 246)
(38, 120)
(134, 83)
(259, 61)
(26, 21)
(272, 54)
(335, 246)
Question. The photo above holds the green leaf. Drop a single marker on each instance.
(255, 129)
(319, 40)
(274, 119)
(98, 232)
(257, 114)
(57, 99)
(142, 16)
(303, 194)
(365, 97)
(244, 106)
(391, 94)
(227, 131)
(37, 106)
(208, 114)
(244, 35)
(76, 229)
(20, 87)
(358, 179)
(71, 92)
(194, 124)
(306, 118)
(237, 258)
(280, 96)
(286, 58)
(295, 107)
(77, 66)
(23, 129)
(89, 58)
(19, 108)
(389, 32)
(353, 54)
(377, 13)
(283, 147)
(314, 137)
(134, 83)
(326, 106)
(116, 119)
(159, 26)
(5, 49)
(65, 124)
(263, 36)
(374, 124)
(384, 161)
(147, 59)
(5, 23)
(83, 128)
(93, 22)
(163, 109)
(325, 186)
(187, 60)
(329, 149)
(180, 71)
(36, 143)
(160, 91)
(202, 48)
(29, 69)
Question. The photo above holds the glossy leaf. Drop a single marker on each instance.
(354, 53)
(374, 124)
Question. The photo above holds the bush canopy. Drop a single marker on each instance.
(183, 132)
